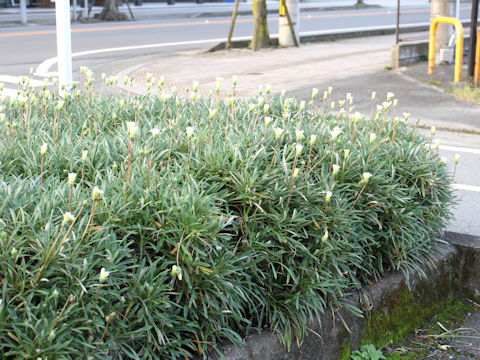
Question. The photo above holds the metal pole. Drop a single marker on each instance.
(473, 40)
(232, 25)
(85, 9)
(74, 10)
(64, 44)
(397, 30)
(457, 10)
(23, 11)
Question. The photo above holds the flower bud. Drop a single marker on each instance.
(71, 178)
(295, 173)
(96, 193)
(190, 130)
(328, 196)
(278, 132)
(335, 169)
(366, 176)
(325, 236)
(103, 275)
(298, 148)
(299, 135)
(176, 271)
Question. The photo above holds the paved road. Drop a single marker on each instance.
(26, 47)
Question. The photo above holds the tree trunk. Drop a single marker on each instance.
(261, 38)
(110, 12)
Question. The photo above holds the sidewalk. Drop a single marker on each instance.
(351, 65)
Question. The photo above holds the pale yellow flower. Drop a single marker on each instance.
(325, 235)
(68, 218)
(278, 132)
(328, 196)
(190, 130)
(103, 275)
(298, 148)
(96, 193)
(366, 176)
(335, 168)
(71, 178)
(299, 134)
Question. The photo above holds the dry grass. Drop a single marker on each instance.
(467, 93)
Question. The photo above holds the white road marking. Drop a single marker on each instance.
(44, 68)
(460, 149)
(466, 187)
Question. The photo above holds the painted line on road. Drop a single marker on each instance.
(460, 149)
(199, 22)
(44, 68)
(466, 187)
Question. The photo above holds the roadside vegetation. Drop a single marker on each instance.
(157, 227)
(467, 93)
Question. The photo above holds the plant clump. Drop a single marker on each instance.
(157, 227)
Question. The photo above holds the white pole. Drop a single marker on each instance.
(64, 44)
(457, 10)
(23, 11)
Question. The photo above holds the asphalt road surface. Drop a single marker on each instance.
(26, 47)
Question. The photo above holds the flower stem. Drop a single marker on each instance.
(150, 162)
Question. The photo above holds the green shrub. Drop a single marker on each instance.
(204, 231)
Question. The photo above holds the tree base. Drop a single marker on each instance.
(111, 16)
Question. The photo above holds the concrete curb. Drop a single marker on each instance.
(329, 339)
(274, 11)
(450, 267)
(326, 35)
